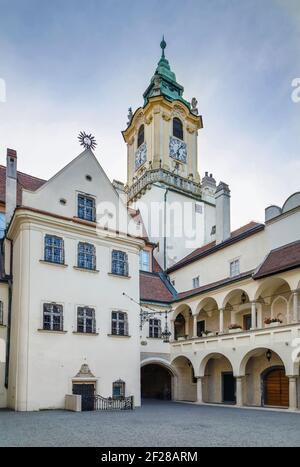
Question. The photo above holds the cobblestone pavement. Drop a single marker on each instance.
(155, 424)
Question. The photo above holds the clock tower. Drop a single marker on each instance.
(162, 161)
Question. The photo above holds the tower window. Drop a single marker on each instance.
(177, 128)
(141, 136)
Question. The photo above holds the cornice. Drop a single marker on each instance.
(24, 216)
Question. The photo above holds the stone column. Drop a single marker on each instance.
(172, 336)
(221, 320)
(293, 392)
(195, 326)
(253, 315)
(239, 391)
(199, 390)
(187, 326)
(295, 307)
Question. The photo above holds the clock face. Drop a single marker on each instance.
(140, 156)
(178, 149)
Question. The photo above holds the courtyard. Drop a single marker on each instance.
(157, 423)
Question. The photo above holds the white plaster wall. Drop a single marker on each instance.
(250, 251)
(70, 181)
(283, 230)
(182, 221)
(43, 364)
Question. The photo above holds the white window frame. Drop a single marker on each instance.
(234, 267)
(86, 195)
(118, 321)
(51, 321)
(85, 307)
(143, 252)
(196, 279)
(154, 327)
(111, 262)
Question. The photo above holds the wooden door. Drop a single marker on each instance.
(87, 392)
(276, 388)
(228, 384)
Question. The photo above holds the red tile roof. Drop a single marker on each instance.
(244, 231)
(155, 266)
(279, 260)
(28, 182)
(153, 288)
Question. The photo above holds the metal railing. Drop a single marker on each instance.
(110, 403)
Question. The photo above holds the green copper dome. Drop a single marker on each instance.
(164, 83)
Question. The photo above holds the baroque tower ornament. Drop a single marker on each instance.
(194, 104)
(87, 141)
(129, 116)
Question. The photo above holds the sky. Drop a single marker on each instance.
(70, 65)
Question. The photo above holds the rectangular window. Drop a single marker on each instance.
(118, 389)
(86, 321)
(86, 208)
(145, 260)
(54, 249)
(234, 268)
(119, 263)
(119, 323)
(52, 317)
(196, 282)
(155, 328)
(1, 313)
(86, 256)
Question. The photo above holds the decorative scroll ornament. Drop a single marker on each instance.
(87, 141)
(84, 372)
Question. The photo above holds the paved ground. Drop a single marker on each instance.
(157, 423)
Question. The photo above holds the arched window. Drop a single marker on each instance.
(177, 128)
(141, 136)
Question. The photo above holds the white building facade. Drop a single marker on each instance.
(94, 274)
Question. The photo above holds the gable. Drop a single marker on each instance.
(83, 175)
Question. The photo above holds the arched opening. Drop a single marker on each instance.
(266, 383)
(183, 322)
(207, 317)
(177, 128)
(156, 382)
(237, 310)
(186, 381)
(141, 136)
(179, 326)
(218, 383)
(275, 298)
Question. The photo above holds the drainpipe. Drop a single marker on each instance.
(165, 228)
(10, 284)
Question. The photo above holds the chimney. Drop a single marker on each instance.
(222, 197)
(11, 184)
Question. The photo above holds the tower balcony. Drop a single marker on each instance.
(181, 184)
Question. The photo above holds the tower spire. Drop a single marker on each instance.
(163, 45)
